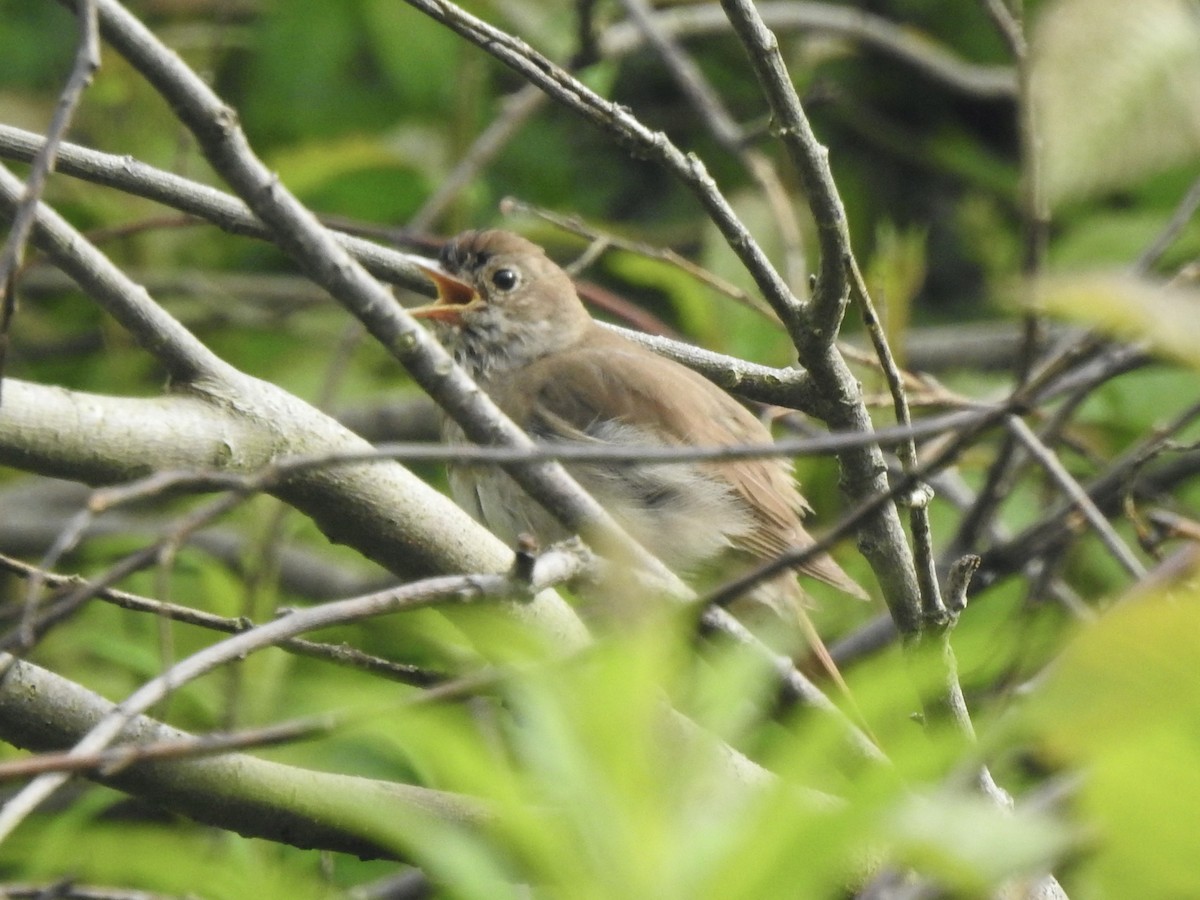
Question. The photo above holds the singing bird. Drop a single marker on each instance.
(512, 318)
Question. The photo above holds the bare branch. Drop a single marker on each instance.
(226, 212)
(107, 762)
(339, 654)
(729, 135)
(557, 567)
(249, 796)
(1078, 495)
(87, 60)
(900, 41)
(791, 126)
(576, 225)
(1008, 24)
(918, 499)
(385, 512)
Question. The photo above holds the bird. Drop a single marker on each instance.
(512, 318)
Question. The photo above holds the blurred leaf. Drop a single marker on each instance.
(425, 81)
(27, 56)
(83, 847)
(1117, 92)
(1128, 307)
(972, 843)
(1123, 704)
(598, 796)
(895, 275)
(307, 167)
(1117, 415)
(1107, 235)
(287, 91)
(981, 223)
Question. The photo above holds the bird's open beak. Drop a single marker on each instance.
(453, 297)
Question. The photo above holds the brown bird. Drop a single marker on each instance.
(512, 318)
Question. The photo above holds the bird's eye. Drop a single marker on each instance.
(504, 279)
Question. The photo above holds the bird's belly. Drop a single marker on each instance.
(494, 499)
(677, 512)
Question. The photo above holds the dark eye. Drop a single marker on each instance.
(504, 279)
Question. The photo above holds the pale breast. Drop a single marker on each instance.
(677, 511)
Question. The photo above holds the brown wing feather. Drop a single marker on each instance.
(608, 376)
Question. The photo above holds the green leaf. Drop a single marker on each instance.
(82, 846)
(1123, 705)
(1116, 88)
(895, 276)
(971, 842)
(1128, 307)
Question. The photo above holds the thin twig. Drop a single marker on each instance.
(105, 762)
(1008, 24)
(576, 225)
(901, 41)
(28, 632)
(1035, 222)
(556, 566)
(729, 135)
(1078, 495)
(1182, 214)
(1107, 491)
(515, 111)
(339, 654)
(87, 61)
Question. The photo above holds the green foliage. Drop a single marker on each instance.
(1129, 308)
(594, 795)
(896, 275)
(1122, 707)
(1117, 92)
(174, 860)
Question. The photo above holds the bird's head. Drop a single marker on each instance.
(502, 303)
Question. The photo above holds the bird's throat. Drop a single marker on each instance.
(489, 347)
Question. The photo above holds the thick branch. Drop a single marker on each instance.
(381, 509)
(864, 471)
(240, 793)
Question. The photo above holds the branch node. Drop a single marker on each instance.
(525, 559)
(917, 497)
(957, 582)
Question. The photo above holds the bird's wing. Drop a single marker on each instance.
(610, 378)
